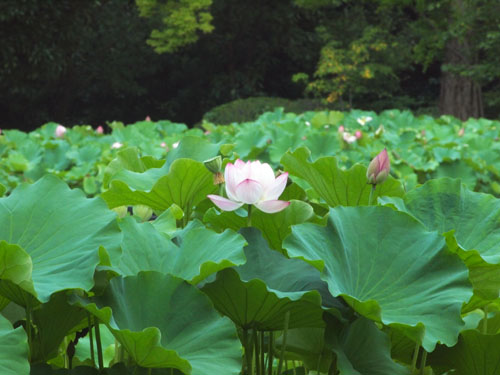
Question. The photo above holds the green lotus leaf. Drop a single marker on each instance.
(187, 183)
(60, 230)
(445, 205)
(139, 173)
(259, 293)
(274, 227)
(335, 186)
(162, 321)
(15, 269)
(191, 147)
(474, 354)
(200, 252)
(13, 349)
(389, 268)
(54, 320)
(362, 349)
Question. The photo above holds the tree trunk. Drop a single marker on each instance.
(460, 96)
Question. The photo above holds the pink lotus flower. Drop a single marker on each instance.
(116, 145)
(349, 138)
(60, 131)
(379, 168)
(341, 129)
(99, 130)
(147, 118)
(358, 134)
(252, 183)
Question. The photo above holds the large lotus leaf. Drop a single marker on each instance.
(389, 268)
(139, 173)
(15, 270)
(61, 231)
(162, 321)
(335, 186)
(13, 349)
(200, 252)
(307, 345)
(362, 349)
(474, 354)
(187, 183)
(54, 320)
(259, 293)
(445, 205)
(195, 148)
(274, 227)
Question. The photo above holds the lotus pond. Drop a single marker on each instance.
(256, 248)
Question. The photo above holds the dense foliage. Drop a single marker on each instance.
(95, 61)
(141, 273)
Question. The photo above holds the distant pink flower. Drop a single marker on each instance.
(461, 132)
(60, 131)
(379, 168)
(148, 118)
(358, 134)
(116, 145)
(99, 130)
(341, 129)
(163, 144)
(252, 183)
(207, 132)
(349, 138)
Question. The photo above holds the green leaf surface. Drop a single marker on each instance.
(200, 252)
(259, 293)
(362, 349)
(187, 183)
(61, 231)
(13, 349)
(162, 321)
(335, 186)
(389, 268)
(474, 354)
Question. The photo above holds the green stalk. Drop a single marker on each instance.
(422, 362)
(248, 351)
(99, 345)
(256, 345)
(91, 338)
(283, 347)
(262, 352)
(249, 216)
(270, 354)
(28, 330)
(370, 200)
(485, 320)
(415, 357)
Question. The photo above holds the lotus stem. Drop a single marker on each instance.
(249, 216)
(422, 362)
(99, 345)
(262, 352)
(28, 330)
(485, 320)
(283, 345)
(370, 199)
(415, 356)
(270, 354)
(91, 339)
(256, 345)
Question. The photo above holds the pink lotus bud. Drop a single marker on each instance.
(341, 129)
(358, 134)
(148, 118)
(99, 130)
(379, 168)
(116, 145)
(163, 144)
(252, 183)
(461, 132)
(60, 131)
